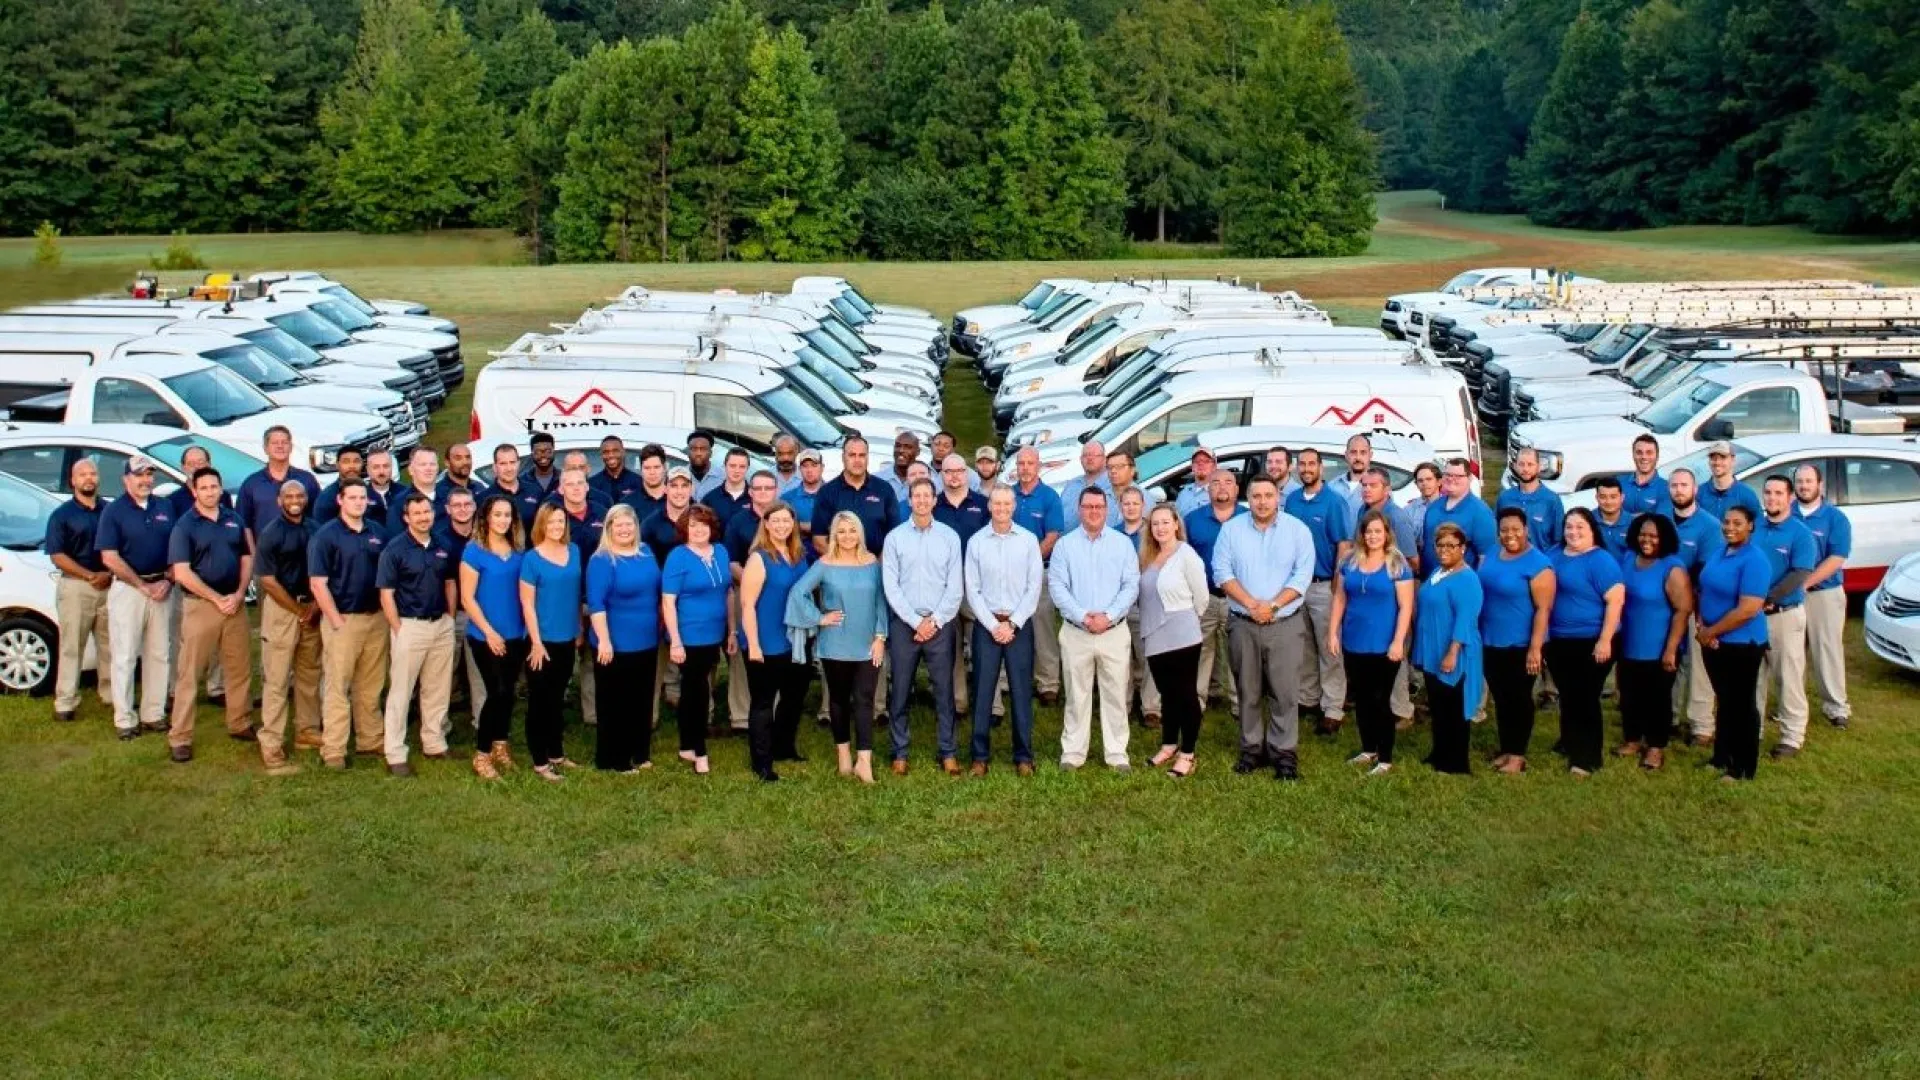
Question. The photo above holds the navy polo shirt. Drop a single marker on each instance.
(327, 507)
(585, 530)
(873, 502)
(396, 523)
(140, 534)
(349, 560)
(211, 547)
(456, 544)
(725, 505)
(527, 500)
(1328, 516)
(447, 487)
(259, 500)
(966, 519)
(644, 504)
(660, 534)
(550, 484)
(738, 536)
(280, 553)
(417, 573)
(181, 499)
(70, 532)
(614, 489)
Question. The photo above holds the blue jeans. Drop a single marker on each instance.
(1017, 655)
(903, 653)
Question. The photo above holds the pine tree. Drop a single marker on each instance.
(521, 50)
(875, 66)
(1557, 180)
(617, 193)
(717, 51)
(1160, 96)
(796, 207)
(1475, 145)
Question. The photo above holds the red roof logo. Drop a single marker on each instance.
(594, 401)
(1378, 409)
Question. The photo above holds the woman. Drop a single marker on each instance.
(1733, 589)
(839, 599)
(496, 628)
(777, 677)
(550, 576)
(623, 612)
(1173, 593)
(1518, 584)
(1587, 598)
(1446, 647)
(693, 605)
(1371, 614)
(1653, 630)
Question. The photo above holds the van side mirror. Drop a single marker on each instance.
(1715, 430)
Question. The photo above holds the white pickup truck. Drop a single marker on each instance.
(1729, 401)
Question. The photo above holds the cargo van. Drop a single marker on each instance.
(898, 392)
(912, 375)
(382, 312)
(828, 334)
(928, 346)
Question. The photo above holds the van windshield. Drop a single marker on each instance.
(799, 416)
(844, 334)
(218, 396)
(817, 390)
(1110, 432)
(833, 374)
(1681, 404)
(1036, 296)
(852, 315)
(1066, 314)
(351, 299)
(310, 329)
(1608, 350)
(256, 365)
(860, 303)
(831, 349)
(1097, 337)
(1124, 377)
(341, 315)
(285, 347)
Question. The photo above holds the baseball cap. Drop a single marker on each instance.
(679, 472)
(809, 455)
(986, 453)
(1722, 448)
(139, 463)
(1199, 450)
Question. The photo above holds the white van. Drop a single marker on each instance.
(909, 342)
(894, 391)
(830, 335)
(915, 376)
(1421, 401)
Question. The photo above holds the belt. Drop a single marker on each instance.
(1778, 608)
(1278, 618)
(151, 578)
(423, 618)
(1321, 580)
(1821, 588)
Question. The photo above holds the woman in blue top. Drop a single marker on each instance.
(1372, 613)
(1446, 647)
(840, 599)
(1518, 584)
(550, 603)
(1733, 636)
(1653, 630)
(777, 677)
(693, 604)
(496, 629)
(623, 612)
(1588, 594)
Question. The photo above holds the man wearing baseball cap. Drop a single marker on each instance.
(134, 531)
(1194, 495)
(986, 467)
(801, 493)
(1721, 490)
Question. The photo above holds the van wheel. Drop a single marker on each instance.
(27, 650)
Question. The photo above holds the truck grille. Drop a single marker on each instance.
(373, 445)
(399, 417)
(452, 369)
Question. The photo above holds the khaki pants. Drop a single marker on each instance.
(1826, 650)
(353, 662)
(1214, 655)
(1090, 661)
(137, 632)
(289, 678)
(1046, 644)
(1323, 678)
(422, 656)
(216, 680)
(1784, 673)
(81, 610)
(1699, 700)
(205, 634)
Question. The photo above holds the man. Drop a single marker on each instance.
(423, 472)
(700, 463)
(1198, 490)
(576, 461)
(986, 466)
(1539, 502)
(1426, 481)
(963, 510)
(1203, 532)
(506, 481)
(1093, 474)
(459, 476)
(1120, 477)
(383, 494)
(1003, 582)
(1700, 540)
(415, 579)
(801, 494)
(1037, 509)
(921, 574)
(1329, 520)
(212, 557)
(1460, 505)
(1721, 490)
(730, 496)
(80, 592)
(135, 531)
(906, 451)
(867, 497)
(916, 470)
(352, 466)
(1643, 488)
(945, 443)
(1094, 578)
(652, 490)
(543, 474)
(1359, 460)
(1610, 503)
(289, 631)
(786, 461)
(1264, 563)
(343, 565)
(1280, 470)
(1376, 496)
(456, 529)
(1826, 600)
(259, 498)
(1793, 555)
(192, 460)
(614, 482)
(659, 531)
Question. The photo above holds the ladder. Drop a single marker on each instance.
(1705, 310)
(1563, 291)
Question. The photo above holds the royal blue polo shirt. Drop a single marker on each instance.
(1832, 535)
(1788, 545)
(1203, 531)
(1700, 539)
(350, 561)
(71, 529)
(1652, 497)
(1715, 501)
(259, 499)
(873, 502)
(1613, 536)
(1329, 519)
(139, 533)
(1039, 511)
(211, 547)
(966, 519)
(417, 573)
(1474, 519)
(1544, 513)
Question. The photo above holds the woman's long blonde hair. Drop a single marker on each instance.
(859, 528)
(1149, 547)
(790, 551)
(1396, 562)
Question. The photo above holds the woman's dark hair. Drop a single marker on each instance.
(1669, 537)
(1511, 512)
(1743, 511)
(516, 533)
(1586, 515)
(704, 514)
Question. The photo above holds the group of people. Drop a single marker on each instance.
(1294, 590)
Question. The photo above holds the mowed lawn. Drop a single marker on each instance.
(206, 920)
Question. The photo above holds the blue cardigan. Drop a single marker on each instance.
(1447, 611)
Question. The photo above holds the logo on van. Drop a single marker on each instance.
(1376, 406)
(595, 401)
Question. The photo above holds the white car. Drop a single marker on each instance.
(1893, 614)
(43, 455)
(1242, 451)
(29, 625)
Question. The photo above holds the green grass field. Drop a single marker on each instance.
(209, 921)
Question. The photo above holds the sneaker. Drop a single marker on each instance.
(1363, 758)
(180, 755)
(1123, 768)
(1381, 769)
(1839, 722)
(128, 734)
(1782, 751)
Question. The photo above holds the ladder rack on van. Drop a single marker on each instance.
(1566, 292)
(1703, 311)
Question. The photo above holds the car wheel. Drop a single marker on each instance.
(27, 651)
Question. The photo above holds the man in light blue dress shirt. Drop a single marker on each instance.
(1093, 468)
(1263, 560)
(1359, 460)
(1094, 579)
(1003, 583)
(920, 569)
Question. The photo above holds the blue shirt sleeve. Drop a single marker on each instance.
(1840, 535)
(1056, 516)
(179, 544)
(386, 573)
(1756, 576)
(599, 583)
(673, 579)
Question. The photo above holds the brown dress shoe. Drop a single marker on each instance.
(306, 740)
(950, 766)
(1025, 768)
(979, 768)
(900, 767)
(1701, 741)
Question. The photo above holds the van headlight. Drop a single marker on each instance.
(1023, 348)
(324, 458)
(1551, 462)
(1034, 385)
(973, 328)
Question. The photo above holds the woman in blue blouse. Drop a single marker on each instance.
(1446, 647)
(1653, 629)
(496, 628)
(693, 605)
(1371, 615)
(777, 677)
(1733, 589)
(840, 600)
(550, 603)
(1588, 594)
(1518, 584)
(623, 610)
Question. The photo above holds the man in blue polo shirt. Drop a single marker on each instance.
(506, 481)
(1038, 509)
(1328, 517)
(651, 491)
(1610, 510)
(660, 531)
(353, 466)
(803, 491)
(459, 477)
(1457, 503)
(1197, 491)
(192, 460)
(539, 470)
(1826, 599)
(861, 494)
(1720, 490)
(614, 482)
(258, 501)
(343, 562)
(1540, 503)
(212, 557)
(1203, 531)
(1791, 552)
(415, 578)
(729, 497)
(1700, 540)
(1644, 490)
(80, 592)
(289, 631)
(132, 542)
